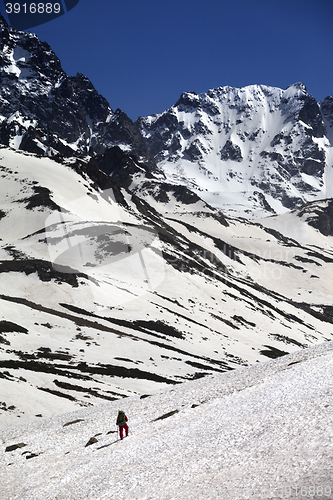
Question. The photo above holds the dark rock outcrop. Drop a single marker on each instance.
(321, 217)
(231, 151)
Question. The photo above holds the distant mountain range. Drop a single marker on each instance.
(135, 255)
(252, 151)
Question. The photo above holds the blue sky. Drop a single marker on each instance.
(141, 55)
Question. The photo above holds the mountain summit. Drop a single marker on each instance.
(44, 111)
(252, 150)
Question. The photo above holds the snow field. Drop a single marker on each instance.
(260, 430)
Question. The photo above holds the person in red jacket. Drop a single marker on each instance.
(122, 423)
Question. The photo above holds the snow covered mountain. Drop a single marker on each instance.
(253, 151)
(258, 432)
(117, 274)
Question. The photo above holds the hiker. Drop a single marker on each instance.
(121, 421)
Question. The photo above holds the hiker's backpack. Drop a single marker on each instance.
(121, 418)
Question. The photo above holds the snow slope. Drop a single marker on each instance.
(258, 432)
(102, 297)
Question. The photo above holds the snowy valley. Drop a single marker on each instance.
(102, 297)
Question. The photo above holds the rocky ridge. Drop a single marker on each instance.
(44, 111)
(266, 149)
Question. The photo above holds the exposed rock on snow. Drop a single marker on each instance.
(46, 112)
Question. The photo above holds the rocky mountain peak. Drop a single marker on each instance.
(256, 144)
(24, 57)
(188, 99)
(319, 215)
(298, 88)
(42, 110)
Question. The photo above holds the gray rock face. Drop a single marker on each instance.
(231, 152)
(319, 216)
